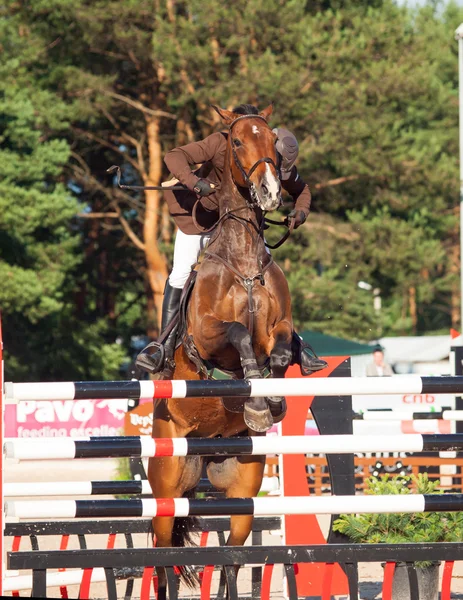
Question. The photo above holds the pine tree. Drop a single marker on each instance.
(379, 149)
(39, 248)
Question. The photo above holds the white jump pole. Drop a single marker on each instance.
(401, 415)
(92, 488)
(452, 415)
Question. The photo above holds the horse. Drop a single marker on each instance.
(239, 318)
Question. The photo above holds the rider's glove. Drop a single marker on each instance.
(298, 216)
(204, 188)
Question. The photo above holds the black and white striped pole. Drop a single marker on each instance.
(323, 386)
(147, 447)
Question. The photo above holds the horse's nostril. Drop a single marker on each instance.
(265, 189)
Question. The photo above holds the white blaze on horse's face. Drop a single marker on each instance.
(269, 190)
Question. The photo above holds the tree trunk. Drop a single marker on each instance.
(152, 326)
(455, 306)
(413, 309)
(156, 266)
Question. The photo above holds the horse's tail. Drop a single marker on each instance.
(181, 537)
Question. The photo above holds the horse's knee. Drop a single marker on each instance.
(281, 357)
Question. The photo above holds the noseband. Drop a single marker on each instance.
(247, 176)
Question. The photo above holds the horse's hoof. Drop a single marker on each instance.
(258, 420)
(278, 408)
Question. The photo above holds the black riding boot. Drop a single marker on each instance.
(154, 363)
(309, 364)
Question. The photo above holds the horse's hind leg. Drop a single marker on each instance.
(238, 477)
(257, 415)
(171, 477)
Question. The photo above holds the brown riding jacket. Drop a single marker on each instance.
(211, 153)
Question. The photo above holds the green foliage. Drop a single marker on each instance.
(37, 248)
(402, 527)
(380, 123)
(41, 244)
(60, 347)
(123, 470)
(123, 474)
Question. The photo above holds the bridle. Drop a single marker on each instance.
(247, 176)
(253, 202)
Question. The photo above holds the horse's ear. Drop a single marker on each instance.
(227, 116)
(267, 112)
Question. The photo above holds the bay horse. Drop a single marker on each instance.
(239, 318)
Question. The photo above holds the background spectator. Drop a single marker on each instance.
(379, 367)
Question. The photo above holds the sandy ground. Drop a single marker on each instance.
(94, 469)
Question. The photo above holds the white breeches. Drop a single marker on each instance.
(187, 249)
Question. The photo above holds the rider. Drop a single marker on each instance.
(189, 243)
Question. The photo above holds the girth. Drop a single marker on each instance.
(247, 283)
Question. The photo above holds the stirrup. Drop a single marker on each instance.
(148, 362)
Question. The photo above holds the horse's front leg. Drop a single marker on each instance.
(280, 359)
(257, 415)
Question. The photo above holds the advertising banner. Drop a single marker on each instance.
(64, 418)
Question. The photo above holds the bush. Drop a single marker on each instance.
(402, 527)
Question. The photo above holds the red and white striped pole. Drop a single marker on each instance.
(208, 507)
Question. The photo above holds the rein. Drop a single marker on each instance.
(285, 236)
(229, 214)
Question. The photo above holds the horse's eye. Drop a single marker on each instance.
(236, 143)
